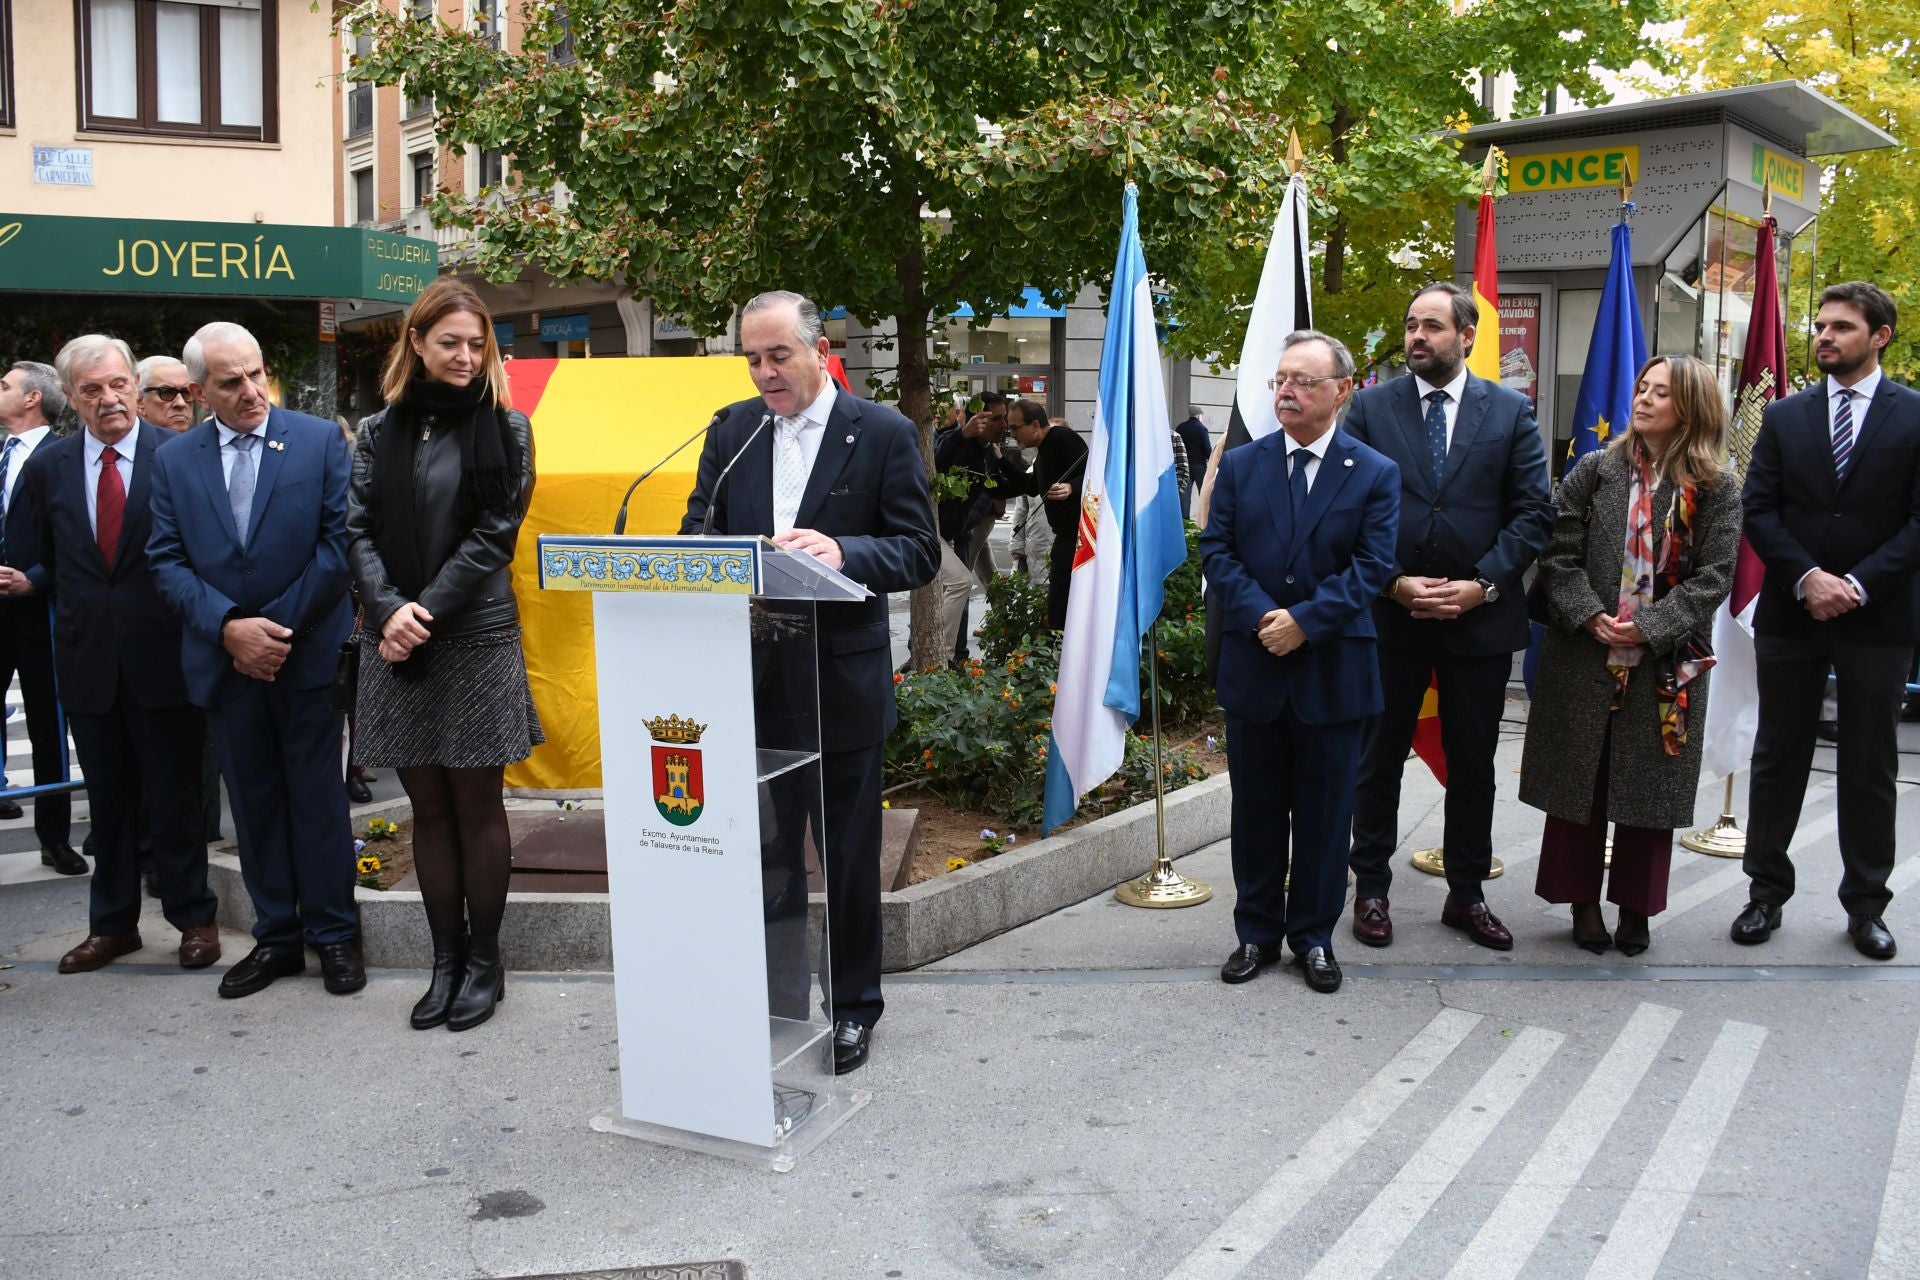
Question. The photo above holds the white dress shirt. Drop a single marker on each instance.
(1454, 390)
(228, 453)
(29, 441)
(813, 430)
(95, 450)
(1316, 454)
(1863, 392)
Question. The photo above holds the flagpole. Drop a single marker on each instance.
(1163, 886)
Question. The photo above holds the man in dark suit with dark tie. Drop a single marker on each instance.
(1475, 511)
(30, 401)
(250, 546)
(1832, 505)
(81, 533)
(1299, 541)
(839, 478)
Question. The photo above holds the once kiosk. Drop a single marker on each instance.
(710, 763)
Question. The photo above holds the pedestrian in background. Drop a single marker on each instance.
(1641, 555)
(441, 481)
(1056, 477)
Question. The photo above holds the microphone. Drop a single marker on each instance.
(706, 520)
(620, 521)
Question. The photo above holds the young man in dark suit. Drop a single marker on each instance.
(1832, 505)
(250, 547)
(839, 478)
(81, 535)
(1475, 511)
(1298, 543)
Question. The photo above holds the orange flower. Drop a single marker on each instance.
(897, 677)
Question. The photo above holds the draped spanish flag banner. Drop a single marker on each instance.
(1484, 360)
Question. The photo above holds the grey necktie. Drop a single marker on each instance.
(240, 483)
(789, 472)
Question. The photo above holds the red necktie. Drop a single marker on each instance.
(110, 505)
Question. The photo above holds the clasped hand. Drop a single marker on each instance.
(1827, 596)
(13, 582)
(1280, 634)
(1610, 631)
(404, 631)
(1437, 598)
(259, 646)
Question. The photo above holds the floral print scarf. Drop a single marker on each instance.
(1655, 561)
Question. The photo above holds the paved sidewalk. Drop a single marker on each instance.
(1078, 1098)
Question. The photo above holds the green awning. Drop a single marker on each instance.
(226, 259)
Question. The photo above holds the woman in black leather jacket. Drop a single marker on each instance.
(441, 480)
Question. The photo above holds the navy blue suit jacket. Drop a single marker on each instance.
(1489, 517)
(868, 492)
(108, 623)
(290, 567)
(1799, 517)
(1325, 566)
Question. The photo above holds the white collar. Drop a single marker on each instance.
(1863, 390)
(125, 446)
(1454, 389)
(30, 437)
(228, 434)
(816, 414)
(1318, 448)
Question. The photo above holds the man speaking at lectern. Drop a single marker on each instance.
(840, 478)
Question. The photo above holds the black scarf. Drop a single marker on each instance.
(487, 480)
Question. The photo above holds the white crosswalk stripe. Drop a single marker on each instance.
(1500, 1249)
(1896, 1244)
(1266, 1213)
(1645, 1227)
(1385, 1224)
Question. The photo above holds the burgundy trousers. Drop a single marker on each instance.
(1573, 857)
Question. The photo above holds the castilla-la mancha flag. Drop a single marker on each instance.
(1733, 712)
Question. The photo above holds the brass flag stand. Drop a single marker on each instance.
(1724, 839)
(1162, 886)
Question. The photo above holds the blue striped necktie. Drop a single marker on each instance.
(1842, 434)
(6, 461)
(1437, 433)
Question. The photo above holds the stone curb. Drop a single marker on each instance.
(568, 931)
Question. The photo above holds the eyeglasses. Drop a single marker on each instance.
(169, 394)
(1304, 381)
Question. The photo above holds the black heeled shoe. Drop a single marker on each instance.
(482, 986)
(1631, 936)
(449, 960)
(1590, 928)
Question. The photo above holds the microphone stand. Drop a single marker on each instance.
(620, 520)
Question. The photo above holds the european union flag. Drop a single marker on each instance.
(1605, 404)
(1614, 355)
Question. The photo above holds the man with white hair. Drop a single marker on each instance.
(250, 545)
(166, 393)
(81, 534)
(30, 400)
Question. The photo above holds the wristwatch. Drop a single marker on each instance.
(1486, 585)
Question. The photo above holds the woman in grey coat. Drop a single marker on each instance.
(1642, 555)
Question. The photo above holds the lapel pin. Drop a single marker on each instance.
(1349, 461)
(849, 439)
(280, 446)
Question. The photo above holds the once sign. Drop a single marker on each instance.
(1572, 170)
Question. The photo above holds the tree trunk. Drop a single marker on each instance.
(915, 384)
(1336, 261)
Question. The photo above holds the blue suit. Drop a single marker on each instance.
(279, 740)
(1294, 723)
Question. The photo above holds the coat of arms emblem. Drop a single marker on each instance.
(678, 789)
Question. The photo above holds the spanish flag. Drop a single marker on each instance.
(1484, 359)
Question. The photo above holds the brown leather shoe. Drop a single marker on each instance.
(199, 946)
(97, 950)
(1371, 923)
(1477, 923)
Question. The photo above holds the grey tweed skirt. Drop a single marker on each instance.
(469, 709)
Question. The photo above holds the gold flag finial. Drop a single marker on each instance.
(1766, 198)
(1626, 183)
(1490, 171)
(1296, 158)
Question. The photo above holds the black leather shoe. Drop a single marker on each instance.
(259, 968)
(63, 859)
(340, 967)
(1870, 937)
(1320, 969)
(1755, 923)
(1827, 730)
(1590, 928)
(359, 792)
(1634, 933)
(852, 1042)
(1248, 960)
(9, 810)
(449, 962)
(482, 986)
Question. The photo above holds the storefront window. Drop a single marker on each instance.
(1006, 341)
(1573, 332)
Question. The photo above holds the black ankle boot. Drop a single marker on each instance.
(449, 958)
(483, 985)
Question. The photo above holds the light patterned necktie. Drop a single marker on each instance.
(789, 472)
(1842, 433)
